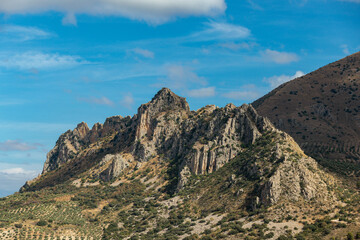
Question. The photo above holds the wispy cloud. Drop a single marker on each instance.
(98, 101)
(14, 171)
(220, 31)
(15, 145)
(154, 11)
(202, 92)
(127, 101)
(242, 95)
(13, 176)
(23, 33)
(345, 49)
(279, 57)
(246, 93)
(237, 46)
(38, 60)
(36, 126)
(254, 5)
(10, 102)
(276, 81)
(142, 52)
(181, 77)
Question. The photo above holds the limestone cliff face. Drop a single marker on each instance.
(71, 143)
(201, 141)
(67, 147)
(295, 180)
(216, 135)
(284, 172)
(116, 164)
(205, 139)
(154, 123)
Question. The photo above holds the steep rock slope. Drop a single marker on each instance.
(321, 112)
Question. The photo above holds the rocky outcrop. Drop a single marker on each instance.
(67, 147)
(155, 123)
(217, 136)
(71, 143)
(294, 180)
(115, 166)
(284, 172)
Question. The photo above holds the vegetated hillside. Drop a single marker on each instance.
(172, 173)
(321, 111)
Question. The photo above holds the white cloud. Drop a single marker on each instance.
(276, 81)
(22, 33)
(99, 101)
(13, 176)
(220, 31)
(128, 101)
(202, 92)
(15, 145)
(11, 171)
(143, 52)
(152, 11)
(180, 77)
(279, 57)
(36, 60)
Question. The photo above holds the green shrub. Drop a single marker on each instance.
(269, 235)
(42, 223)
(357, 236)
(18, 225)
(350, 236)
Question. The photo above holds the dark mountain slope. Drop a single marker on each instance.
(321, 111)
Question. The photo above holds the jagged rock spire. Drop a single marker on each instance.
(164, 100)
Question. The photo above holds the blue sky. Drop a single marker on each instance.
(62, 63)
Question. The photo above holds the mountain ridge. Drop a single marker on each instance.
(200, 141)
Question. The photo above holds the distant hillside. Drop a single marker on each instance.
(321, 111)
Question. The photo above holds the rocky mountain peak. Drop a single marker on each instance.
(81, 130)
(152, 123)
(164, 100)
(67, 147)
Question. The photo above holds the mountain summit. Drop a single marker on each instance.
(164, 100)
